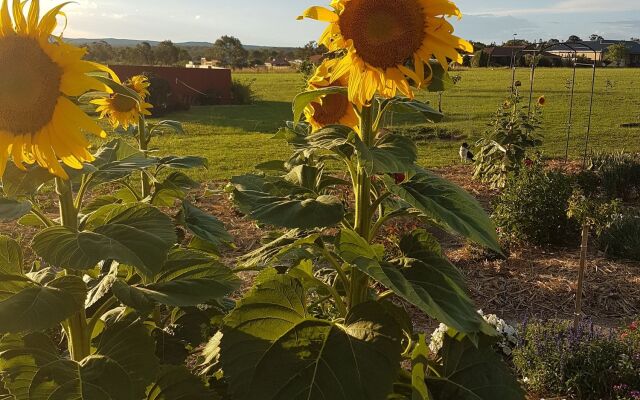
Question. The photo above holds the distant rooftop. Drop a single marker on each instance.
(597, 45)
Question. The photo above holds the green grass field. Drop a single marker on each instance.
(235, 138)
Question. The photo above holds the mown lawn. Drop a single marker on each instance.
(235, 138)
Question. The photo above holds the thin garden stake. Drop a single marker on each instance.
(581, 273)
(586, 141)
(570, 118)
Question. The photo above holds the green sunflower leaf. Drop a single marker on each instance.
(137, 235)
(271, 348)
(26, 306)
(449, 206)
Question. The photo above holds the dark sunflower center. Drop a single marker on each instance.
(333, 107)
(384, 33)
(29, 85)
(122, 103)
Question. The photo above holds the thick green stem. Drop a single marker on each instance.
(84, 185)
(78, 340)
(68, 212)
(143, 143)
(362, 189)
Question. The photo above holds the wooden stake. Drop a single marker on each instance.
(583, 264)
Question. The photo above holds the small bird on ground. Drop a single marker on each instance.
(465, 154)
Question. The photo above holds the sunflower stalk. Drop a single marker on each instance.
(143, 143)
(362, 189)
(78, 338)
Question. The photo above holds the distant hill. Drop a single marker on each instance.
(133, 42)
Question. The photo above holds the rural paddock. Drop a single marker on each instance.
(235, 138)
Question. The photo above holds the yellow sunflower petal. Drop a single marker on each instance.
(45, 156)
(78, 117)
(438, 8)
(49, 20)
(18, 16)
(6, 141)
(33, 17)
(320, 14)
(6, 25)
(77, 85)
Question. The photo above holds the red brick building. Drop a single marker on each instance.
(186, 86)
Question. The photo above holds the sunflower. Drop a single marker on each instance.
(124, 110)
(38, 122)
(386, 43)
(331, 109)
(542, 101)
(140, 84)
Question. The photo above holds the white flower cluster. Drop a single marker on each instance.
(508, 334)
(437, 338)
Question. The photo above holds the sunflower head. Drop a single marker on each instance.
(331, 109)
(542, 101)
(140, 84)
(121, 109)
(38, 72)
(386, 44)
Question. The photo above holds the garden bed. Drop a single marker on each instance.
(532, 282)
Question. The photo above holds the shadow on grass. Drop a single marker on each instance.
(260, 117)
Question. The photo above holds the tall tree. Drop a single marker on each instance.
(517, 42)
(101, 52)
(617, 53)
(166, 53)
(230, 52)
(144, 54)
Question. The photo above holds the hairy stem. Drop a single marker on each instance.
(68, 211)
(78, 340)
(143, 143)
(362, 190)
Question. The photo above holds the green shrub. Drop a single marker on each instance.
(619, 174)
(159, 93)
(480, 59)
(533, 208)
(243, 93)
(622, 239)
(590, 363)
(589, 182)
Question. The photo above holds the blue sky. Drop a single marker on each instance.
(272, 22)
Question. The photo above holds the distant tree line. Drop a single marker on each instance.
(228, 50)
(615, 53)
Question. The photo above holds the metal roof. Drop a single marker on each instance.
(597, 45)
